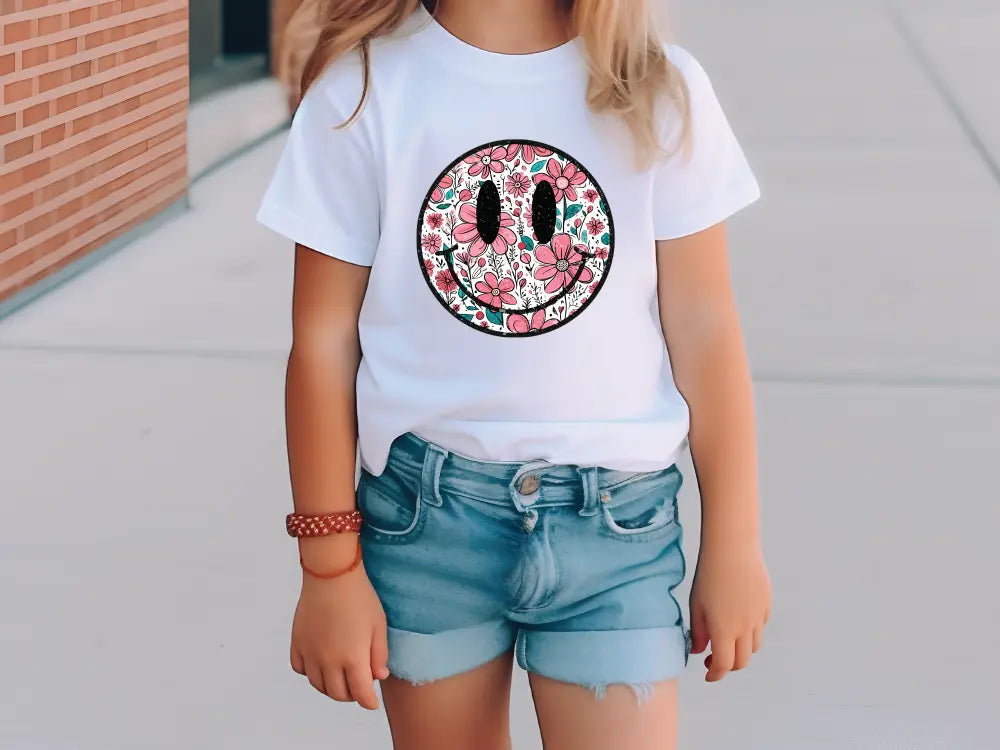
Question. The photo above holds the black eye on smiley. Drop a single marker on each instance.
(515, 238)
(543, 219)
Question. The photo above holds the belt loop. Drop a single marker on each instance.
(591, 490)
(430, 475)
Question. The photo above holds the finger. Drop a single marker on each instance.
(298, 663)
(315, 674)
(380, 653)
(699, 631)
(723, 653)
(744, 647)
(767, 614)
(758, 637)
(336, 684)
(362, 686)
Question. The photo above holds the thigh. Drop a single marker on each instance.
(571, 717)
(467, 710)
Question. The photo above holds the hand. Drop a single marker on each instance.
(339, 637)
(730, 605)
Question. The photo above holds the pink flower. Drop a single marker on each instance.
(494, 292)
(462, 258)
(591, 195)
(437, 195)
(518, 184)
(428, 265)
(464, 195)
(435, 221)
(431, 242)
(601, 252)
(469, 232)
(563, 179)
(595, 225)
(445, 281)
(527, 150)
(485, 161)
(519, 324)
(560, 263)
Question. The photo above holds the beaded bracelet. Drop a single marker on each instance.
(300, 524)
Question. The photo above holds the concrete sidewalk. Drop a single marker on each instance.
(141, 410)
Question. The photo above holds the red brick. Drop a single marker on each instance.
(79, 17)
(63, 49)
(104, 10)
(6, 64)
(89, 95)
(141, 51)
(23, 176)
(51, 24)
(16, 91)
(53, 80)
(17, 32)
(65, 103)
(16, 207)
(34, 56)
(34, 115)
(53, 135)
(55, 189)
(7, 240)
(81, 70)
(19, 149)
(33, 4)
(7, 124)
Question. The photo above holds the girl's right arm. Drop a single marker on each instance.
(339, 630)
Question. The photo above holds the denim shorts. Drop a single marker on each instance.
(574, 567)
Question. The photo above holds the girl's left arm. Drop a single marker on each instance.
(731, 592)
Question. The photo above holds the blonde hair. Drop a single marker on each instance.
(629, 68)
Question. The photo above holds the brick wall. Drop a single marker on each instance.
(93, 119)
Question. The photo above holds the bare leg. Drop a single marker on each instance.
(571, 717)
(467, 710)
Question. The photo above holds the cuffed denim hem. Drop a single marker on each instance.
(598, 658)
(424, 657)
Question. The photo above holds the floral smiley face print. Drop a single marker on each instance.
(515, 238)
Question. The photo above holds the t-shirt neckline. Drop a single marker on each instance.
(464, 56)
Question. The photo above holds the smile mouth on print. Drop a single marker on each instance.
(559, 274)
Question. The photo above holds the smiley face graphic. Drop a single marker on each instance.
(515, 238)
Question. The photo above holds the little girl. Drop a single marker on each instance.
(505, 215)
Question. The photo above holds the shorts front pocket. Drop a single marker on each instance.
(392, 510)
(643, 510)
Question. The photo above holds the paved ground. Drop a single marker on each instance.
(141, 411)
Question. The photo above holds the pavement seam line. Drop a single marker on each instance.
(759, 378)
(924, 62)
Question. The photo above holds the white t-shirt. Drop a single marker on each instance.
(511, 312)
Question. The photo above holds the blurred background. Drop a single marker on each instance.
(146, 586)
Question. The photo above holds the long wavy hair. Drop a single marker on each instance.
(629, 69)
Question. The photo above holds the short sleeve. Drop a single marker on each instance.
(694, 191)
(324, 192)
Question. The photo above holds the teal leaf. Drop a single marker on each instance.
(538, 167)
(443, 206)
(606, 238)
(494, 316)
(573, 210)
(449, 195)
(467, 316)
(461, 292)
(528, 242)
(583, 236)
